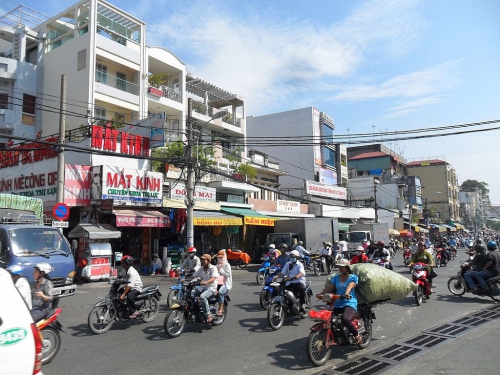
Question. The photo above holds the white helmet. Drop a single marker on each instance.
(294, 253)
(44, 267)
(273, 246)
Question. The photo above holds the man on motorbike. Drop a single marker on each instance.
(297, 278)
(443, 244)
(480, 260)
(21, 283)
(326, 252)
(382, 253)
(284, 258)
(423, 256)
(133, 287)
(192, 263)
(344, 284)
(360, 256)
(303, 252)
(208, 285)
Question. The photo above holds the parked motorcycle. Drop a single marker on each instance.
(328, 331)
(268, 292)
(458, 287)
(263, 271)
(111, 308)
(189, 310)
(320, 266)
(407, 256)
(440, 257)
(285, 304)
(49, 328)
(419, 272)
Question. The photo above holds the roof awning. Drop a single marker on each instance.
(95, 231)
(211, 218)
(459, 226)
(439, 227)
(452, 229)
(250, 217)
(141, 218)
(199, 205)
(422, 229)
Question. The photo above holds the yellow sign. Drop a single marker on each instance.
(202, 221)
(425, 164)
(255, 220)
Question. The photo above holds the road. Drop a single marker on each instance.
(243, 344)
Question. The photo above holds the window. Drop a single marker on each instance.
(100, 113)
(101, 74)
(29, 104)
(4, 100)
(327, 133)
(328, 156)
(121, 81)
(233, 241)
(176, 85)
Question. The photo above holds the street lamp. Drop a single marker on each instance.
(190, 184)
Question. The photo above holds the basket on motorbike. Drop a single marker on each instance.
(320, 315)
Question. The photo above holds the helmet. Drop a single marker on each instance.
(381, 243)
(283, 246)
(294, 254)
(15, 269)
(479, 248)
(301, 243)
(221, 254)
(360, 248)
(192, 249)
(44, 267)
(343, 263)
(364, 241)
(492, 245)
(443, 238)
(478, 241)
(421, 243)
(272, 246)
(128, 260)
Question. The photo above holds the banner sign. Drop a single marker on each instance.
(77, 185)
(322, 190)
(287, 206)
(201, 193)
(262, 221)
(217, 221)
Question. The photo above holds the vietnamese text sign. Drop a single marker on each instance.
(77, 185)
(255, 220)
(322, 190)
(287, 206)
(201, 193)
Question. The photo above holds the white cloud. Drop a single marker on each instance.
(412, 106)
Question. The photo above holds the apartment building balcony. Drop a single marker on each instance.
(116, 87)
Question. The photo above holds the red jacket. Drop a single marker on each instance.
(359, 259)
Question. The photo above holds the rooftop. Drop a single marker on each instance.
(367, 155)
(420, 163)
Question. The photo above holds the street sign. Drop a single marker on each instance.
(61, 211)
(60, 224)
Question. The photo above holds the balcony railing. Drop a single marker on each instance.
(118, 83)
(202, 108)
(170, 93)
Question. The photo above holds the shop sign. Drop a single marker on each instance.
(322, 190)
(201, 193)
(28, 153)
(234, 198)
(77, 185)
(217, 221)
(112, 140)
(142, 221)
(105, 206)
(128, 185)
(262, 221)
(287, 206)
(327, 176)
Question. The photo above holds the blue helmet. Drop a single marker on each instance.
(492, 245)
(15, 269)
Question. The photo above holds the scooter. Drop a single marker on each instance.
(406, 256)
(440, 258)
(268, 292)
(419, 272)
(320, 266)
(49, 328)
(458, 287)
(381, 262)
(263, 271)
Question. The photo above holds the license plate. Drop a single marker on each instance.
(56, 292)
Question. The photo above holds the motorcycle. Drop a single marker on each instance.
(419, 272)
(407, 256)
(189, 310)
(320, 266)
(285, 304)
(458, 287)
(381, 262)
(453, 252)
(268, 292)
(175, 293)
(49, 328)
(111, 308)
(328, 331)
(263, 271)
(440, 258)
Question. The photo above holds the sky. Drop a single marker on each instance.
(373, 66)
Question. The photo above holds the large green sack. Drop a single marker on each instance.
(377, 283)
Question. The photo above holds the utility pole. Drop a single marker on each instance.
(190, 178)
(62, 140)
(375, 183)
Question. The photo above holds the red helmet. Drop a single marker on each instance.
(381, 243)
(192, 249)
(128, 260)
(421, 243)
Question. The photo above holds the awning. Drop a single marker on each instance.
(393, 232)
(250, 217)
(459, 226)
(422, 229)
(452, 229)
(211, 218)
(439, 227)
(95, 231)
(344, 227)
(141, 218)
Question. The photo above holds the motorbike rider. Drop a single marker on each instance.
(134, 285)
(326, 252)
(208, 284)
(21, 283)
(423, 256)
(382, 253)
(273, 253)
(480, 260)
(43, 291)
(303, 252)
(344, 283)
(360, 256)
(284, 258)
(493, 258)
(224, 269)
(365, 244)
(297, 278)
(192, 263)
(344, 250)
(443, 243)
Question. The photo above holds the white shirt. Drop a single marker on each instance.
(133, 278)
(225, 271)
(297, 268)
(190, 264)
(23, 286)
(301, 250)
(343, 246)
(325, 251)
(207, 275)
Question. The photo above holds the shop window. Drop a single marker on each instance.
(233, 241)
(29, 104)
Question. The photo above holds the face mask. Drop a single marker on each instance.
(220, 260)
(293, 260)
(191, 256)
(359, 252)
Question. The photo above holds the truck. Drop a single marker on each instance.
(366, 231)
(26, 241)
(312, 231)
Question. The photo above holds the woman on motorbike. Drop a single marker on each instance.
(224, 269)
(42, 293)
(344, 284)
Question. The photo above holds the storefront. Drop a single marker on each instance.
(216, 230)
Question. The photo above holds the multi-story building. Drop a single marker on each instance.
(374, 160)
(471, 204)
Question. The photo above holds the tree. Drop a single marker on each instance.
(470, 185)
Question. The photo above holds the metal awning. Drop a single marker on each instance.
(212, 218)
(95, 231)
(141, 218)
(214, 94)
(439, 227)
(250, 217)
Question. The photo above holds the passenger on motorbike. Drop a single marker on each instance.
(326, 252)
(365, 244)
(42, 293)
(297, 278)
(21, 283)
(192, 263)
(133, 287)
(303, 252)
(224, 269)
(284, 258)
(479, 261)
(382, 253)
(494, 258)
(423, 256)
(208, 285)
(360, 256)
(443, 244)
(344, 284)
(273, 253)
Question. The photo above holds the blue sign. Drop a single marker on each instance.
(61, 211)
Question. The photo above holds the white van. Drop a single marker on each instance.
(20, 341)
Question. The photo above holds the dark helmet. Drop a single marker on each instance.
(192, 249)
(283, 246)
(421, 243)
(128, 260)
(479, 248)
(492, 245)
(380, 243)
(478, 241)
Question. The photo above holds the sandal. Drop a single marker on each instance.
(220, 313)
(359, 339)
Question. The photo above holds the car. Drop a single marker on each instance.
(20, 340)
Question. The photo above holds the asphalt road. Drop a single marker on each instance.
(244, 344)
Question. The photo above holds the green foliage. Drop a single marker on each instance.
(248, 170)
(172, 153)
(157, 80)
(470, 185)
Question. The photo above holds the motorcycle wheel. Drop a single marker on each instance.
(261, 278)
(317, 270)
(494, 298)
(456, 287)
(265, 299)
(100, 320)
(218, 320)
(419, 294)
(309, 305)
(151, 307)
(241, 264)
(367, 337)
(50, 344)
(174, 323)
(317, 352)
(172, 297)
(276, 316)
(438, 264)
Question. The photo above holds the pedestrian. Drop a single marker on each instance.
(155, 264)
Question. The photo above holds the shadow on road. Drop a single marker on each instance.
(155, 333)
(250, 307)
(291, 355)
(257, 325)
(80, 330)
(468, 297)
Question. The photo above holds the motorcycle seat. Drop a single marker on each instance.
(493, 279)
(149, 289)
